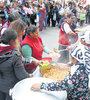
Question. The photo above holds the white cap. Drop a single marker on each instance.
(76, 52)
(86, 37)
(82, 54)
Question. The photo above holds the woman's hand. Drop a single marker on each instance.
(36, 87)
(78, 30)
(69, 64)
(69, 48)
(36, 62)
(31, 75)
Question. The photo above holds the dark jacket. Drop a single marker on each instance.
(61, 21)
(11, 68)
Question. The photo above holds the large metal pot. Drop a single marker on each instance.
(21, 91)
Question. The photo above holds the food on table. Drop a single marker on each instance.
(44, 64)
(56, 73)
(54, 55)
(56, 50)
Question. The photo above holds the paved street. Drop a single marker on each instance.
(50, 37)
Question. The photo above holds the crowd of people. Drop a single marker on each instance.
(21, 47)
(46, 13)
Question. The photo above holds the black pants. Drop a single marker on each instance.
(53, 23)
(4, 96)
(33, 21)
(89, 19)
(48, 20)
(82, 22)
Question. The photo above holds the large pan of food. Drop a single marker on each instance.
(56, 72)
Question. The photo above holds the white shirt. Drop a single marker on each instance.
(67, 28)
(73, 69)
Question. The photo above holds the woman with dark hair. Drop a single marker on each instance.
(11, 66)
(33, 16)
(27, 4)
(33, 47)
(19, 26)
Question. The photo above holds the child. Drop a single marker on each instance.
(77, 83)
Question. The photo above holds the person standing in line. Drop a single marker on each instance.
(89, 14)
(42, 14)
(2, 12)
(34, 15)
(15, 7)
(11, 17)
(11, 66)
(19, 26)
(54, 13)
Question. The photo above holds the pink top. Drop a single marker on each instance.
(27, 10)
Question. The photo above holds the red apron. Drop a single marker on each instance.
(63, 39)
(37, 49)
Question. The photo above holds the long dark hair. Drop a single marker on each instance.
(8, 36)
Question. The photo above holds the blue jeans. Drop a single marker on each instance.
(45, 21)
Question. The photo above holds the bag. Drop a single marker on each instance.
(54, 16)
(6, 14)
(82, 16)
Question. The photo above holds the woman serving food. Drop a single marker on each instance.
(33, 48)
